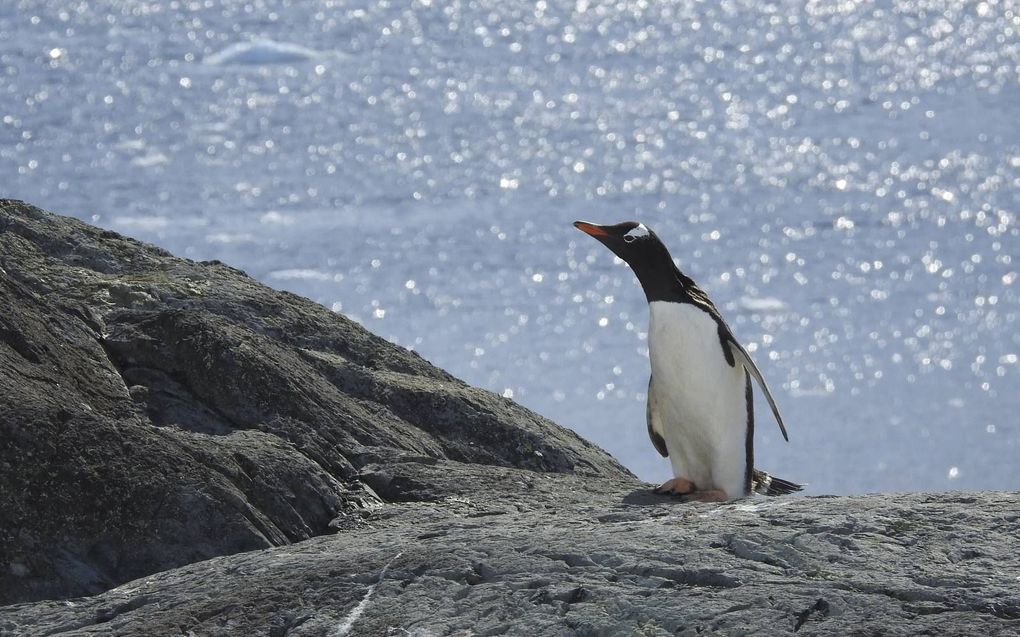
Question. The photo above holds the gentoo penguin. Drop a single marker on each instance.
(700, 408)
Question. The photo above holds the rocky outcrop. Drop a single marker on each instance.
(203, 455)
(550, 554)
(155, 412)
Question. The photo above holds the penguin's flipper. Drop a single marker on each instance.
(744, 358)
(651, 415)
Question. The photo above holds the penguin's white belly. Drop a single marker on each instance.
(699, 400)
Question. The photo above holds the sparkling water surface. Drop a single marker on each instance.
(841, 177)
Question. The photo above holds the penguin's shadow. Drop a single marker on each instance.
(647, 497)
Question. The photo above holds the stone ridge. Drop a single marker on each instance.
(155, 412)
(561, 554)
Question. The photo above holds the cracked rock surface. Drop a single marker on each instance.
(561, 555)
(184, 451)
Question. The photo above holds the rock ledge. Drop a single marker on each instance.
(202, 455)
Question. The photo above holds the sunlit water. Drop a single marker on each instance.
(842, 177)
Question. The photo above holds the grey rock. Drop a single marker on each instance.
(560, 554)
(155, 411)
(205, 456)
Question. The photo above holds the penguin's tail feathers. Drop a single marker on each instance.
(765, 484)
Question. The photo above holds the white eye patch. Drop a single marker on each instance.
(636, 233)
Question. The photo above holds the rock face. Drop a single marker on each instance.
(155, 412)
(554, 554)
(265, 467)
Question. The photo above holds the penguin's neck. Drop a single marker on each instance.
(660, 278)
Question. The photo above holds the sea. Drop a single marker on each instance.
(842, 177)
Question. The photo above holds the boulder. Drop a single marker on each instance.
(184, 451)
(155, 412)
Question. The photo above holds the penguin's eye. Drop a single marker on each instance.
(636, 232)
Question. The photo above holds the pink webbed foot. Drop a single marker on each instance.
(677, 486)
(714, 495)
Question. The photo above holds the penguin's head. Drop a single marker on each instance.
(646, 255)
(629, 240)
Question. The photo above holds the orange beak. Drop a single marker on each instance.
(590, 228)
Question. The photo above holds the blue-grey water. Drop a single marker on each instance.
(842, 177)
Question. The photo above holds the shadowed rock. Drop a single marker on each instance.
(161, 419)
(156, 411)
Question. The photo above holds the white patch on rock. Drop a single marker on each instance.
(344, 627)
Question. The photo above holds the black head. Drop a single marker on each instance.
(629, 240)
(644, 253)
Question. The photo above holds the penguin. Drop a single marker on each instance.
(700, 409)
